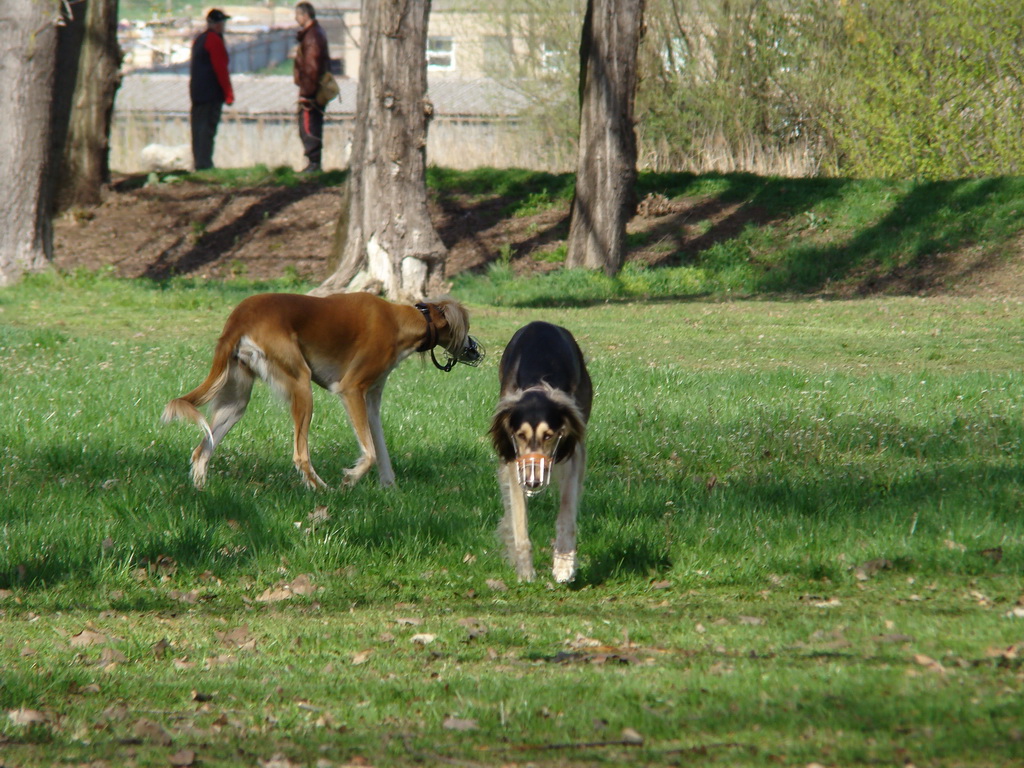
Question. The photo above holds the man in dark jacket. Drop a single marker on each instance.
(311, 61)
(209, 87)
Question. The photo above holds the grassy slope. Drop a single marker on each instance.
(745, 235)
(746, 458)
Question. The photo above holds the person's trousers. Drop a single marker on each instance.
(205, 118)
(311, 131)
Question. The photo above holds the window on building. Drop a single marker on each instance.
(553, 57)
(440, 53)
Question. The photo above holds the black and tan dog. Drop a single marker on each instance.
(346, 343)
(540, 424)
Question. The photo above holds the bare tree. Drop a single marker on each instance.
(89, 58)
(606, 169)
(28, 57)
(385, 238)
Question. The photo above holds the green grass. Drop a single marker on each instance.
(745, 459)
(769, 236)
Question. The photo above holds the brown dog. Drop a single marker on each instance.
(346, 343)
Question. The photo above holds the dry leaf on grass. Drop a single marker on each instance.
(27, 717)
(112, 656)
(474, 627)
(630, 736)
(894, 638)
(183, 759)
(865, 571)
(278, 761)
(87, 638)
(151, 732)
(459, 724)
(497, 585)
(159, 648)
(361, 657)
(995, 554)
(239, 637)
(284, 590)
(423, 638)
(928, 663)
(1004, 653)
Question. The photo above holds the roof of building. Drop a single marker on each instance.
(276, 94)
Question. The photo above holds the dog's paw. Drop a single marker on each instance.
(312, 480)
(315, 483)
(525, 572)
(564, 567)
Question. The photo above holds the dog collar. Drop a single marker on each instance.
(431, 339)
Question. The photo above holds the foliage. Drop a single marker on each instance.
(805, 546)
(920, 89)
(935, 89)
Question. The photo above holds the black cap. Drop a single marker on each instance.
(217, 15)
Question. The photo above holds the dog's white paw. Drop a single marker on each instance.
(564, 567)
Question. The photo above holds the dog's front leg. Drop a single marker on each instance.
(513, 526)
(570, 484)
(373, 403)
(356, 407)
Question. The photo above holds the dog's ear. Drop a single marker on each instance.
(455, 322)
(575, 425)
(499, 430)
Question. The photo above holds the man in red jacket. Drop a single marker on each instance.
(311, 61)
(209, 87)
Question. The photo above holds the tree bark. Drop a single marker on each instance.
(89, 59)
(604, 198)
(28, 57)
(385, 239)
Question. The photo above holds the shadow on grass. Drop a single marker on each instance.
(802, 237)
(448, 501)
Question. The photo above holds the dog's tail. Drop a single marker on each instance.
(186, 406)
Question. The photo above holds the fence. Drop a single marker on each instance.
(474, 124)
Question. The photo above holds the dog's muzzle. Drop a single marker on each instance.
(471, 354)
(533, 471)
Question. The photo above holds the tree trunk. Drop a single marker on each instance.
(89, 59)
(28, 56)
(385, 238)
(606, 168)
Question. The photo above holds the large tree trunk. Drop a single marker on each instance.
(89, 59)
(606, 168)
(386, 239)
(28, 56)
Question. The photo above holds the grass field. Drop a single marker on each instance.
(801, 543)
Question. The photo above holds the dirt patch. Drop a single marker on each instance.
(267, 232)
